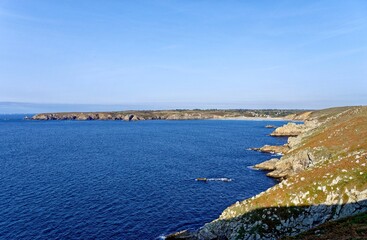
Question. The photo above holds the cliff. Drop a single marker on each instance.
(324, 178)
(171, 115)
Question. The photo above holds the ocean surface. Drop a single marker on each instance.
(124, 180)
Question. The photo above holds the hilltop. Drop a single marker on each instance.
(323, 175)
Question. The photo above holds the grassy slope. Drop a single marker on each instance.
(342, 140)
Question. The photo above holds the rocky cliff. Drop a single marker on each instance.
(324, 176)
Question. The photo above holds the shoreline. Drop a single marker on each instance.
(318, 183)
(253, 119)
(187, 234)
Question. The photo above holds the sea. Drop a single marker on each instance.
(124, 180)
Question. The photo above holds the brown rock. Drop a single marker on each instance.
(272, 149)
(181, 235)
(267, 165)
(288, 130)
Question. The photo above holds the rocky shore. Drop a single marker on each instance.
(289, 130)
(323, 178)
(173, 115)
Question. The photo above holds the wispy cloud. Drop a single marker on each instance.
(6, 14)
(12, 15)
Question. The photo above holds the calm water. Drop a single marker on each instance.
(123, 180)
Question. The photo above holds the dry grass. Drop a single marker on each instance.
(344, 139)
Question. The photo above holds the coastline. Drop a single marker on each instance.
(252, 119)
(320, 181)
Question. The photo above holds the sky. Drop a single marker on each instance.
(163, 54)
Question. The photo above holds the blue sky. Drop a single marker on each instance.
(184, 54)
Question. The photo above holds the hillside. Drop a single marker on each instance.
(173, 115)
(354, 227)
(324, 177)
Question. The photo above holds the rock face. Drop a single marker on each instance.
(324, 177)
(293, 163)
(267, 165)
(290, 129)
(275, 223)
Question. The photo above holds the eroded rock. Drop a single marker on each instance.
(288, 130)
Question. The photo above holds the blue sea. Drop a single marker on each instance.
(124, 180)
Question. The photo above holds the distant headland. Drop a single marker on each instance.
(195, 114)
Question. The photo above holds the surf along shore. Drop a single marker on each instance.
(323, 178)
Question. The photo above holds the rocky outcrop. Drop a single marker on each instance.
(289, 130)
(272, 149)
(267, 165)
(291, 164)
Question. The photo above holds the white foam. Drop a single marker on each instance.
(252, 168)
(219, 179)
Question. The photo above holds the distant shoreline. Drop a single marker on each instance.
(253, 119)
(237, 114)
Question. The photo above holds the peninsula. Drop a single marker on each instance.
(176, 115)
